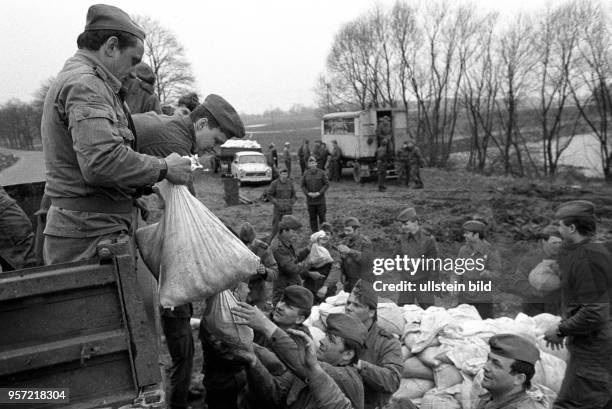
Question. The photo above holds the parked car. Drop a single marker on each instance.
(251, 166)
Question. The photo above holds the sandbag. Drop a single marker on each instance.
(406, 353)
(446, 375)
(326, 309)
(313, 317)
(428, 356)
(438, 401)
(200, 256)
(545, 276)
(412, 389)
(545, 321)
(319, 256)
(220, 321)
(391, 318)
(549, 371)
(414, 368)
(432, 322)
(149, 240)
(338, 299)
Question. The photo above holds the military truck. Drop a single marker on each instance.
(357, 137)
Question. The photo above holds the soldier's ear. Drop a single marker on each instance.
(111, 46)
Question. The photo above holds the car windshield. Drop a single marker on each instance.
(252, 159)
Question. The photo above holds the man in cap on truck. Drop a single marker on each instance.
(93, 172)
(586, 324)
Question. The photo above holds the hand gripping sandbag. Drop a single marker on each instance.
(220, 321)
(200, 256)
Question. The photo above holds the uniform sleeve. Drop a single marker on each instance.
(335, 273)
(304, 186)
(293, 195)
(287, 264)
(384, 377)
(153, 104)
(98, 139)
(271, 266)
(325, 184)
(268, 390)
(326, 393)
(272, 193)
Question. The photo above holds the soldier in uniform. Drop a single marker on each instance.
(17, 238)
(187, 103)
(508, 373)
(415, 242)
(477, 248)
(335, 166)
(292, 265)
(141, 96)
(411, 161)
(381, 164)
(356, 254)
(384, 132)
(282, 195)
(586, 325)
(93, 173)
(320, 154)
(266, 274)
(303, 155)
(380, 364)
(287, 158)
(314, 186)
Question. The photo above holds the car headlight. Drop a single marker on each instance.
(268, 172)
(241, 173)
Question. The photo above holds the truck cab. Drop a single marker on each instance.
(358, 136)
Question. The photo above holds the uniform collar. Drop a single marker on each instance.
(89, 58)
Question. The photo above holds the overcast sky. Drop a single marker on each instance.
(259, 54)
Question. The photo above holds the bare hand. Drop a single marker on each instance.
(261, 269)
(552, 339)
(322, 291)
(315, 275)
(179, 169)
(343, 249)
(311, 364)
(252, 316)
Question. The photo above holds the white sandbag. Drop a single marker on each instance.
(433, 400)
(338, 299)
(319, 256)
(429, 355)
(410, 339)
(406, 353)
(464, 312)
(412, 389)
(446, 375)
(545, 321)
(317, 335)
(326, 309)
(220, 321)
(200, 256)
(414, 368)
(412, 313)
(562, 353)
(313, 317)
(391, 318)
(149, 240)
(549, 371)
(432, 322)
(469, 354)
(545, 276)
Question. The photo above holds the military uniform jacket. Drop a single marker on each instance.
(418, 245)
(381, 367)
(282, 195)
(141, 97)
(358, 262)
(518, 400)
(315, 180)
(291, 268)
(303, 153)
(492, 268)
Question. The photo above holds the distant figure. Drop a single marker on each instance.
(282, 195)
(320, 154)
(411, 161)
(314, 186)
(381, 164)
(139, 85)
(187, 103)
(287, 158)
(335, 166)
(384, 132)
(303, 155)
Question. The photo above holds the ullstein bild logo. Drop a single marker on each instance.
(459, 266)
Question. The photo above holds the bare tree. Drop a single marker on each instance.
(166, 56)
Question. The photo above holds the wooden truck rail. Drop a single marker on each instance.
(80, 326)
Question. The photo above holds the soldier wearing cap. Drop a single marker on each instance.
(381, 164)
(273, 156)
(141, 96)
(320, 154)
(415, 243)
(187, 103)
(586, 324)
(282, 195)
(508, 373)
(335, 165)
(356, 253)
(286, 155)
(411, 161)
(314, 186)
(484, 254)
(303, 154)
(384, 132)
(293, 265)
(543, 257)
(380, 365)
(93, 172)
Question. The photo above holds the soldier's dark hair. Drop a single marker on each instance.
(355, 347)
(201, 112)
(375, 309)
(93, 40)
(585, 225)
(189, 101)
(525, 368)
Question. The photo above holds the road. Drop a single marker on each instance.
(28, 169)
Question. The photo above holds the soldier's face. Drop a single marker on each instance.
(312, 164)
(207, 138)
(497, 377)
(283, 176)
(411, 226)
(355, 309)
(285, 314)
(349, 231)
(120, 62)
(331, 350)
(551, 246)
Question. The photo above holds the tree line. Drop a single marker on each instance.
(463, 74)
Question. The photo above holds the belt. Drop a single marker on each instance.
(93, 204)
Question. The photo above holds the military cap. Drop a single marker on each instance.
(550, 230)
(144, 72)
(225, 114)
(366, 293)
(514, 347)
(407, 215)
(346, 327)
(352, 222)
(105, 17)
(289, 222)
(298, 296)
(247, 233)
(575, 208)
(474, 226)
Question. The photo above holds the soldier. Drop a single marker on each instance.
(415, 243)
(287, 157)
(335, 166)
(338, 353)
(586, 293)
(141, 96)
(187, 103)
(380, 364)
(381, 164)
(93, 173)
(384, 132)
(334, 282)
(314, 186)
(303, 155)
(320, 154)
(292, 265)
(17, 238)
(266, 274)
(356, 254)
(274, 155)
(478, 249)
(412, 161)
(508, 373)
(282, 195)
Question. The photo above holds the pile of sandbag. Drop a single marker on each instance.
(444, 350)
